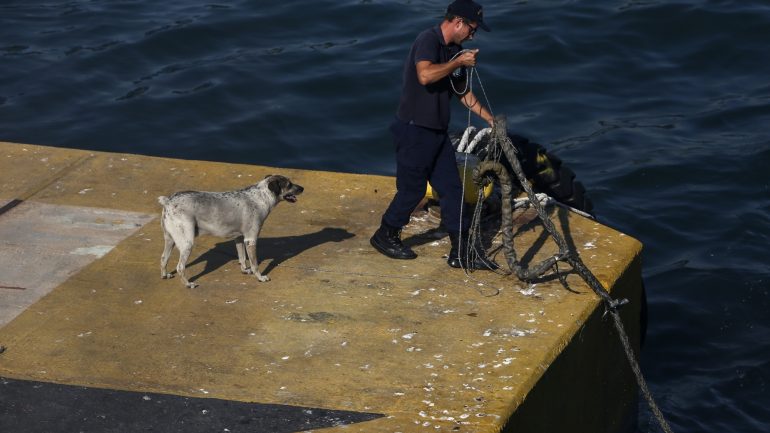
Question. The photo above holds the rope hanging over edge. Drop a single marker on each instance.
(501, 139)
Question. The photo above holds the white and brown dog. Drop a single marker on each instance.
(230, 214)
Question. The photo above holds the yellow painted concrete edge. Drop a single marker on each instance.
(83, 155)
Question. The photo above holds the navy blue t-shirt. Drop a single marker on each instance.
(427, 106)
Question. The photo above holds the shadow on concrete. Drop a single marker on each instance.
(28, 406)
(425, 237)
(277, 250)
(563, 269)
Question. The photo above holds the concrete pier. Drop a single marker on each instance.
(341, 339)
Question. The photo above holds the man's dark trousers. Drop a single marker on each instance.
(423, 155)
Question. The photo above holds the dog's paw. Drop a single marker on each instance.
(247, 271)
(167, 275)
(191, 285)
(263, 278)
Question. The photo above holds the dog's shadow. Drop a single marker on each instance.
(277, 249)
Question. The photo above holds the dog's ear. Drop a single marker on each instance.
(274, 185)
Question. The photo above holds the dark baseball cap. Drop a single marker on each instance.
(469, 10)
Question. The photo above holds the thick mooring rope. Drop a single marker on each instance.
(501, 139)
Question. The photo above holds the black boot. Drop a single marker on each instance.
(387, 240)
(458, 255)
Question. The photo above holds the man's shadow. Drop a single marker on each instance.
(491, 226)
(277, 249)
(527, 259)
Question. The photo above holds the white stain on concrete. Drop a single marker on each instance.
(96, 250)
(60, 238)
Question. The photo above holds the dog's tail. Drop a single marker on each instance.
(163, 200)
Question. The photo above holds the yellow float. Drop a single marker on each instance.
(471, 195)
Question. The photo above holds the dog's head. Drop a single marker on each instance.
(283, 188)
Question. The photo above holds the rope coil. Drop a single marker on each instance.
(502, 145)
(500, 139)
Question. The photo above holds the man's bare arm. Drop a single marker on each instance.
(428, 72)
(473, 104)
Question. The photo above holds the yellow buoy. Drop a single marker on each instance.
(466, 172)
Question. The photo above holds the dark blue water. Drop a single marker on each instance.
(661, 108)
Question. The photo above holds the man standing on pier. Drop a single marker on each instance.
(423, 149)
